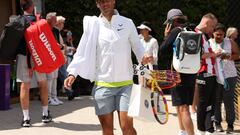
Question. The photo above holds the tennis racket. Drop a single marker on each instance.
(158, 101)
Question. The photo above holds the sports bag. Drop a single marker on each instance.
(11, 36)
(45, 52)
(187, 52)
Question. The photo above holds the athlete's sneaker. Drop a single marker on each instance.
(26, 123)
(200, 132)
(51, 101)
(57, 100)
(47, 119)
(182, 132)
(209, 133)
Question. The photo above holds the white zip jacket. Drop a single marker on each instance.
(115, 41)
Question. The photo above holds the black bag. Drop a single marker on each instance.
(11, 36)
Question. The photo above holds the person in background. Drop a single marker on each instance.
(150, 43)
(68, 53)
(206, 79)
(226, 76)
(111, 38)
(62, 72)
(182, 95)
(52, 77)
(25, 73)
(232, 33)
(70, 49)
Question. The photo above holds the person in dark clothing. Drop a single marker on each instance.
(24, 74)
(206, 77)
(182, 95)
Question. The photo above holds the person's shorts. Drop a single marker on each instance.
(23, 72)
(107, 100)
(52, 75)
(184, 92)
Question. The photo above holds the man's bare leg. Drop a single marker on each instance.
(126, 124)
(106, 121)
(24, 95)
(186, 119)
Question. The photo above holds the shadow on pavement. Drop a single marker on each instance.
(11, 119)
(71, 126)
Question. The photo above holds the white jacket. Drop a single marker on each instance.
(112, 59)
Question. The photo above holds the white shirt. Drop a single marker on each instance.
(151, 47)
(226, 66)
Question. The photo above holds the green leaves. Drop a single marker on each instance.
(154, 11)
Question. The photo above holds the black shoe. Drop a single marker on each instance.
(229, 129)
(70, 98)
(47, 119)
(69, 94)
(26, 123)
(219, 128)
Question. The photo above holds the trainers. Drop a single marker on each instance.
(51, 101)
(209, 133)
(47, 119)
(219, 128)
(182, 132)
(70, 98)
(229, 129)
(200, 132)
(58, 101)
(26, 123)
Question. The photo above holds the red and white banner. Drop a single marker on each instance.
(43, 47)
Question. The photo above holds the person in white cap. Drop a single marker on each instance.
(150, 44)
(182, 95)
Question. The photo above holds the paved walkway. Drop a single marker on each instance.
(77, 117)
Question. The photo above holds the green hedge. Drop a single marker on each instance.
(154, 11)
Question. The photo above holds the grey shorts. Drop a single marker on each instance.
(53, 75)
(107, 100)
(23, 72)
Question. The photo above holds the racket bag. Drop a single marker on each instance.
(45, 52)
